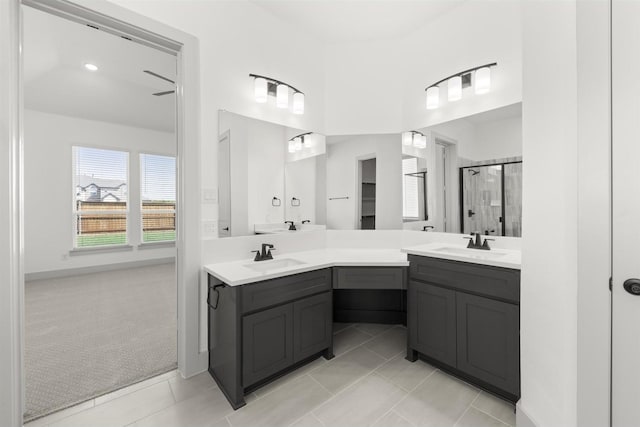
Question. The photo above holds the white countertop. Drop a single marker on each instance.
(236, 273)
(506, 258)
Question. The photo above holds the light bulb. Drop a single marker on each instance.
(292, 147)
(454, 88)
(419, 141)
(309, 140)
(298, 103)
(282, 96)
(406, 138)
(260, 89)
(483, 80)
(297, 143)
(433, 97)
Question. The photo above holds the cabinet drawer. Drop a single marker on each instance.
(368, 278)
(284, 289)
(494, 282)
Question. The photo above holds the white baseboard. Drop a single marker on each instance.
(40, 275)
(522, 418)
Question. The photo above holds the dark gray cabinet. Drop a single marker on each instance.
(262, 330)
(432, 321)
(465, 318)
(267, 343)
(312, 326)
(488, 344)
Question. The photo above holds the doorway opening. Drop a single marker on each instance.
(367, 190)
(100, 209)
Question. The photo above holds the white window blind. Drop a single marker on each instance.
(410, 197)
(158, 197)
(101, 198)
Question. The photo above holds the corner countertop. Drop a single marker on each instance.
(506, 258)
(236, 273)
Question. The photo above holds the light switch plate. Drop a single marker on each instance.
(210, 228)
(209, 195)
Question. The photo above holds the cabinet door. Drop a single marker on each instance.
(432, 321)
(489, 341)
(312, 326)
(267, 341)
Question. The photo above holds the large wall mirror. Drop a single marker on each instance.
(461, 176)
(268, 174)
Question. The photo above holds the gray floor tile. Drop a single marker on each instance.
(283, 406)
(308, 420)
(185, 388)
(347, 339)
(372, 329)
(496, 407)
(361, 404)
(303, 370)
(405, 374)
(207, 408)
(392, 419)
(389, 343)
(343, 370)
(439, 401)
(123, 410)
(337, 327)
(475, 418)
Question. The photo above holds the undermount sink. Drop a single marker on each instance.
(274, 264)
(472, 253)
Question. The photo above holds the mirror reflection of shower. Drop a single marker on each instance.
(491, 198)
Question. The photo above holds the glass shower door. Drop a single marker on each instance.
(513, 199)
(482, 199)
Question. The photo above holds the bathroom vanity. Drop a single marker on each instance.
(461, 308)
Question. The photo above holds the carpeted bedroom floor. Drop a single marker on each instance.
(92, 334)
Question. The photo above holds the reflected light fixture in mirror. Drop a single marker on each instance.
(415, 138)
(454, 89)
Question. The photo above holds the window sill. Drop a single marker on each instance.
(100, 249)
(155, 245)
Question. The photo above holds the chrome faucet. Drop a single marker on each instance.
(428, 227)
(265, 254)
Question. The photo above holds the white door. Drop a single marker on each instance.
(626, 212)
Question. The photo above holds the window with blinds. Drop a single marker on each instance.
(158, 197)
(410, 188)
(100, 207)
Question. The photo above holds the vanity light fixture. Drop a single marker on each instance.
(458, 81)
(264, 86)
(298, 142)
(415, 138)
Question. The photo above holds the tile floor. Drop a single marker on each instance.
(368, 383)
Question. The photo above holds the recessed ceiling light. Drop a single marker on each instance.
(91, 67)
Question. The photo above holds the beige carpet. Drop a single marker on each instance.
(92, 334)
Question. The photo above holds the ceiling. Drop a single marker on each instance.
(338, 21)
(55, 80)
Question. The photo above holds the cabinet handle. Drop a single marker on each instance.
(214, 289)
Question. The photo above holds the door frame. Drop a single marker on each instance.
(118, 20)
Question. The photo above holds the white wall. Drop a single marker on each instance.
(343, 154)
(301, 183)
(548, 308)
(48, 187)
(496, 139)
(378, 87)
